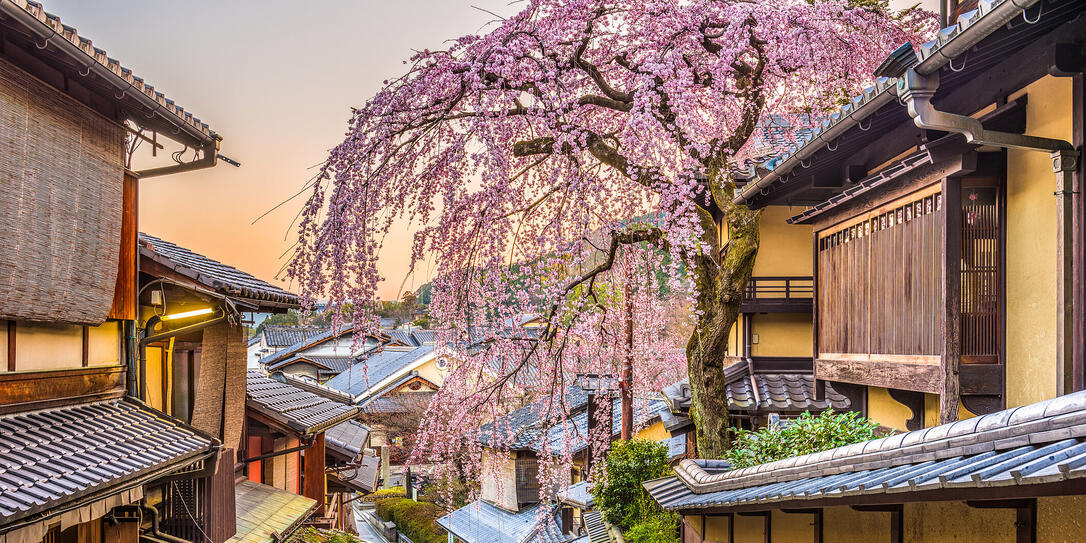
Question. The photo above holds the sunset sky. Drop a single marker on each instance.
(276, 79)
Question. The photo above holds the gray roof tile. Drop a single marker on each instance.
(300, 410)
(1013, 447)
(53, 457)
(215, 275)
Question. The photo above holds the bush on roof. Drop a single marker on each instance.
(804, 435)
(416, 520)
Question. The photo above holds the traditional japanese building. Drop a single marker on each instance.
(946, 242)
(83, 455)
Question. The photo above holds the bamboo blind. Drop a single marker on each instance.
(61, 173)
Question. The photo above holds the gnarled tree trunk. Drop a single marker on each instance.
(720, 278)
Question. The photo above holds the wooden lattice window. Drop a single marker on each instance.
(880, 279)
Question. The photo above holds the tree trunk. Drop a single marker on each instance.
(720, 278)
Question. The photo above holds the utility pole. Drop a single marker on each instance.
(627, 370)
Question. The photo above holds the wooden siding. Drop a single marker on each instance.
(23, 391)
(124, 294)
(880, 280)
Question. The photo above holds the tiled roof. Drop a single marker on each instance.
(779, 392)
(425, 337)
(377, 367)
(327, 365)
(348, 439)
(950, 42)
(594, 525)
(523, 429)
(364, 478)
(215, 275)
(402, 337)
(266, 514)
(309, 341)
(280, 336)
(302, 411)
(1039, 443)
(56, 456)
(400, 402)
(124, 77)
(310, 385)
(480, 522)
(789, 392)
(578, 494)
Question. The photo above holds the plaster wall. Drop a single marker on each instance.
(784, 249)
(793, 527)
(946, 522)
(1031, 247)
(782, 334)
(653, 432)
(1061, 519)
(846, 525)
(40, 346)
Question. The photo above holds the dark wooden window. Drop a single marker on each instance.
(880, 280)
(527, 469)
(981, 274)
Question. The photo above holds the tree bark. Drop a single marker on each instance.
(720, 278)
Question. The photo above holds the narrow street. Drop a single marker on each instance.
(366, 531)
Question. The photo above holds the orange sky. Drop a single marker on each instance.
(276, 79)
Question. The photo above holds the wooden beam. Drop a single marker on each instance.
(11, 345)
(915, 402)
(887, 374)
(25, 391)
(952, 287)
(86, 346)
(315, 486)
(1026, 523)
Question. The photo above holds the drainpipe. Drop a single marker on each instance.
(209, 152)
(916, 91)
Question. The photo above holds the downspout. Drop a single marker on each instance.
(209, 153)
(916, 91)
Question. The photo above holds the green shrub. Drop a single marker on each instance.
(619, 496)
(803, 435)
(661, 527)
(417, 520)
(397, 492)
(313, 535)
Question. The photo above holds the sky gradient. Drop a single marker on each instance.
(276, 79)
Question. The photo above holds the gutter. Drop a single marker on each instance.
(142, 344)
(35, 25)
(939, 57)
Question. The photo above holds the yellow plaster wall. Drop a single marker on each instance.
(153, 363)
(749, 529)
(432, 373)
(845, 525)
(498, 484)
(653, 432)
(302, 368)
(47, 346)
(782, 334)
(716, 529)
(945, 522)
(793, 527)
(1061, 520)
(693, 522)
(104, 344)
(784, 249)
(1031, 247)
(885, 410)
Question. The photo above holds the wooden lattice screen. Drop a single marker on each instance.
(981, 288)
(880, 279)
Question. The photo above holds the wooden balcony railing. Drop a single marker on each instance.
(778, 294)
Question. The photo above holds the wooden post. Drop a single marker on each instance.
(1078, 94)
(897, 524)
(627, 371)
(11, 345)
(952, 282)
(315, 487)
(1064, 164)
(1026, 523)
(86, 347)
